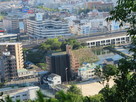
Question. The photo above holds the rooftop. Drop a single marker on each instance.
(87, 66)
(58, 53)
(109, 59)
(52, 75)
(7, 43)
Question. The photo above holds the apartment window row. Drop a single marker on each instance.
(112, 41)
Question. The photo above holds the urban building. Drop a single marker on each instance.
(108, 40)
(22, 94)
(84, 30)
(7, 67)
(86, 71)
(39, 27)
(63, 64)
(99, 5)
(11, 60)
(59, 64)
(11, 24)
(74, 63)
(110, 61)
(15, 49)
(14, 22)
(52, 80)
(8, 37)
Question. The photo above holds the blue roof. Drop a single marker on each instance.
(109, 59)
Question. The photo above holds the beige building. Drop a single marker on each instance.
(11, 60)
(15, 49)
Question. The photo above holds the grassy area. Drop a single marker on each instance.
(1, 17)
(47, 9)
(85, 55)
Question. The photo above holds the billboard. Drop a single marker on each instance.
(25, 10)
(30, 11)
(39, 16)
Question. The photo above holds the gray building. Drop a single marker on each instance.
(11, 24)
(38, 27)
(7, 67)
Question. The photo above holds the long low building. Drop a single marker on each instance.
(108, 40)
(22, 94)
(8, 37)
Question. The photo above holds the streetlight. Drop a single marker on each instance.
(66, 75)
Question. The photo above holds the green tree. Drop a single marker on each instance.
(42, 65)
(52, 100)
(125, 12)
(8, 99)
(96, 98)
(105, 73)
(40, 96)
(75, 90)
(108, 94)
(51, 44)
(68, 97)
(1, 85)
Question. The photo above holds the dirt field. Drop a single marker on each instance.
(89, 88)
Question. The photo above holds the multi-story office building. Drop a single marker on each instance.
(11, 60)
(39, 27)
(11, 24)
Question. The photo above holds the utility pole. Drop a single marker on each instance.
(66, 75)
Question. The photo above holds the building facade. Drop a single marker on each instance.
(64, 65)
(11, 24)
(11, 60)
(86, 71)
(45, 28)
(57, 64)
(109, 40)
(22, 94)
(52, 80)
(7, 67)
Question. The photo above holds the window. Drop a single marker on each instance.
(122, 38)
(24, 94)
(17, 96)
(12, 97)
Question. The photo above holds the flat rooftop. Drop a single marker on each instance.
(8, 43)
(58, 53)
